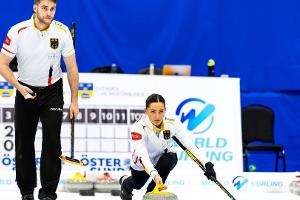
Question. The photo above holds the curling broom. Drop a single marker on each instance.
(202, 167)
(71, 159)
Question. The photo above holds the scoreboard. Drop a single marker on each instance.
(110, 103)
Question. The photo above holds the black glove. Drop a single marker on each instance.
(209, 171)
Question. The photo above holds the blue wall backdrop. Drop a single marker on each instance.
(258, 41)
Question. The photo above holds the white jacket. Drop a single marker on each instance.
(149, 145)
(38, 51)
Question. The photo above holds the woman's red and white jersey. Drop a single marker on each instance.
(38, 51)
(149, 143)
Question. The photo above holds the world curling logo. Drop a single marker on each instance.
(240, 183)
(196, 114)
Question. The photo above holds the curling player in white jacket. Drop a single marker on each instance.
(151, 137)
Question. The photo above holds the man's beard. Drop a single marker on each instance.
(42, 21)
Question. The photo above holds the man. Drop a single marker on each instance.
(38, 44)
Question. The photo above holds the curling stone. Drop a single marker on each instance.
(106, 183)
(157, 194)
(77, 183)
(294, 186)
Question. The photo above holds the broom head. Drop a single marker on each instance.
(71, 160)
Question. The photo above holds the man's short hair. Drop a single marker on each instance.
(39, 1)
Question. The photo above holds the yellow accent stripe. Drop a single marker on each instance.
(169, 122)
(61, 28)
(71, 51)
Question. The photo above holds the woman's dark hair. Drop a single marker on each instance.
(154, 98)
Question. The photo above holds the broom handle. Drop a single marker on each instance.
(73, 33)
(202, 167)
(72, 137)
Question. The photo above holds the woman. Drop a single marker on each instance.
(153, 156)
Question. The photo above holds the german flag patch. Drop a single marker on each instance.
(136, 136)
(7, 41)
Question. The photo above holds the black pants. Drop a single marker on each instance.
(138, 178)
(48, 107)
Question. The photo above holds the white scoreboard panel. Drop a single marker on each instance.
(110, 103)
(96, 129)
